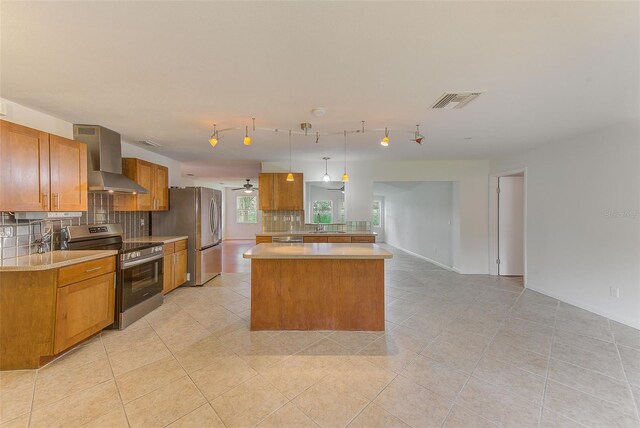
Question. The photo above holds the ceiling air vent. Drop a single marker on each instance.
(452, 100)
(150, 143)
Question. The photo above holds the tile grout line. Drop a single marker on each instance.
(113, 376)
(482, 355)
(33, 397)
(624, 372)
(546, 377)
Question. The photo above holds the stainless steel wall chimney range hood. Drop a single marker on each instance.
(105, 160)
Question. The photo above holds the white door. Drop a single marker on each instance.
(511, 226)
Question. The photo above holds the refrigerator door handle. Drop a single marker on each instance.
(212, 205)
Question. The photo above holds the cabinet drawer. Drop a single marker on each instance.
(339, 239)
(181, 245)
(363, 239)
(70, 274)
(169, 248)
(315, 239)
(263, 240)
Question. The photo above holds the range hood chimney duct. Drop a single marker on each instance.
(104, 166)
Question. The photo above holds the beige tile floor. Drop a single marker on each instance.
(458, 351)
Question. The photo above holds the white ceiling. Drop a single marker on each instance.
(166, 71)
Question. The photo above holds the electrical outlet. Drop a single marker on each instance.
(614, 292)
(188, 277)
(141, 222)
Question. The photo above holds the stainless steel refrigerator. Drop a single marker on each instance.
(197, 213)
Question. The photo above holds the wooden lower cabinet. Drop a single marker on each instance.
(315, 239)
(82, 309)
(347, 239)
(363, 239)
(48, 311)
(263, 240)
(339, 239)
(174, 266)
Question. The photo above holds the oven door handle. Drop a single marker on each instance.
(126, 265)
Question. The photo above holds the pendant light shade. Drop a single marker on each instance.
(290, 175)
(247, 139)
(385, 140)
(326, 177)
(345, 176)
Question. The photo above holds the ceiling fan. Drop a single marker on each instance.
(341, 189)
(247, 187)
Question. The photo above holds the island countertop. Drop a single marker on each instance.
(312, 233)
(52, 260)
(317, 251)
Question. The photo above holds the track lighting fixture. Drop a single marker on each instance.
(290, 175)
(213, 140)
(385, 140)
(326, 177)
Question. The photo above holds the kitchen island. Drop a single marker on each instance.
(317, 286)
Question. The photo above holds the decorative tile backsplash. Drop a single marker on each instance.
(290, 221)
(20, 235)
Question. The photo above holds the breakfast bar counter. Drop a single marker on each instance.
(317, 286)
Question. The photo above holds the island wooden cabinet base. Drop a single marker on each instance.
(317, 294)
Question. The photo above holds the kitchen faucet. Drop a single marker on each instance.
(44, 242)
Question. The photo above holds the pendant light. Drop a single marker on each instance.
(290, 175)
(247, 139)
(385, 141)
(326, 177)
(213, 140)
(345, 176)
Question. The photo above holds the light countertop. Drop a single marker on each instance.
(52, 260)
(308, 233)
(156, 238)
(317, 251)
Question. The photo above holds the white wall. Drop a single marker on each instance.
(583, 219)
(472, 190)
(233, 230)
(418, 218)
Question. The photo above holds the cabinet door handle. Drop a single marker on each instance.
(45, 200)
(56, 201)
(93, 270)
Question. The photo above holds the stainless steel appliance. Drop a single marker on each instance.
(138, 272)
(197, 213)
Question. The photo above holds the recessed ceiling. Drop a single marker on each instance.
(166, 71)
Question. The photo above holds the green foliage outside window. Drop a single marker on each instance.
(322, 212)
(377, 212)
(246, 209)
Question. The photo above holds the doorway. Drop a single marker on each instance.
(508, 233)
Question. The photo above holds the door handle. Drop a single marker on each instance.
(56, 201)
(45, 200)
(93, 270)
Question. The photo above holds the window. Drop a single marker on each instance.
(246, 209)
(341, 212)
(322, 212)
(377, 213)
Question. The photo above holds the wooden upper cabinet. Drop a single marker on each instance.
(265, 195)
(276, 193)
(161, 186)
(288, 195)
(24, 168)
(68, 163)
(154, 178)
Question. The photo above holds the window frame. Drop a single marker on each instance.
(380, 208)
(247, 211)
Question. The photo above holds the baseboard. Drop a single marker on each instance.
(443, 266)
(611, 316)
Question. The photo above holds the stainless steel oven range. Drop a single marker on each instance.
(138, 274)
